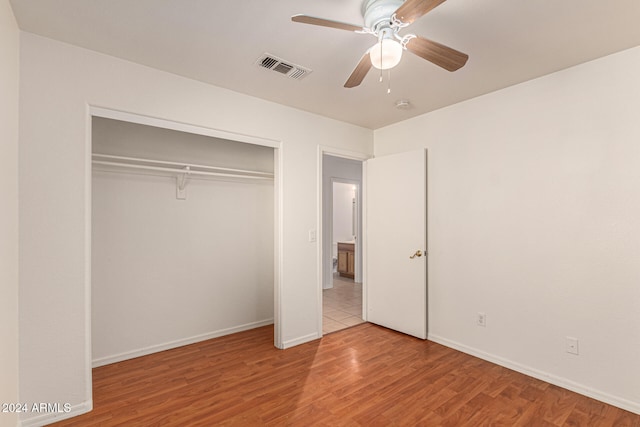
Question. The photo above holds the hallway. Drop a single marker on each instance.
(341, 305)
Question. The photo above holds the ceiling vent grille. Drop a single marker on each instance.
(289, 69)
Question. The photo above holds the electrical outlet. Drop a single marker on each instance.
(481, 319)
(572, 345)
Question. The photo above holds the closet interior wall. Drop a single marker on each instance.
(168, 271)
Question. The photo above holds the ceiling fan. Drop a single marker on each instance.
(384, 19)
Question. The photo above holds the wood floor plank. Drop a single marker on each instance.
(362, 376)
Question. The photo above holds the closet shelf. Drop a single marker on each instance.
(177, 168)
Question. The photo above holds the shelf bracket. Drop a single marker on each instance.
(181, 183)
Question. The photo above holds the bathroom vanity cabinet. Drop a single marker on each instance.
(346, 259)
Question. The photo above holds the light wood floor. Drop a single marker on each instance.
(362, 376)
(341, 305)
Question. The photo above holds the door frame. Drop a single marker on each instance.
(351, 155)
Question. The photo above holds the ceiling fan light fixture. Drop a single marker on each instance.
(385, 54)
(384, 19)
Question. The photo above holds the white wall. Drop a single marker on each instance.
(166, 272)
(533, 220)
(58, 81)
(9, 79)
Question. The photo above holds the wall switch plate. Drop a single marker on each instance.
(572, 345)
(312, 236)
(481, 319)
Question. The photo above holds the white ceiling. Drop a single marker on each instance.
(219, 41)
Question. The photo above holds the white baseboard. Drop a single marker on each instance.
(300, 340)
(177, 343)
(544, 376)
(52, 417)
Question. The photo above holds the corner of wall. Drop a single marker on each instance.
(9, 123)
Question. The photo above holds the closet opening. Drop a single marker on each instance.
(184, 235)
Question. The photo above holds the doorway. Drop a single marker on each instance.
(395, 255)
(341, 247)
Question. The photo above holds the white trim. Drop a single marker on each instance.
(320, 243)
(427, 235)
(541, 375)
(301, 340)
(178, 343)
(278, 266)
(363, 242)
(88, 176)
(180, 126)
(345, 154)
(52, 417)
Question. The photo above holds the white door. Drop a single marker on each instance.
(396, 200)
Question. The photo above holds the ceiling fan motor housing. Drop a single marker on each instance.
(377, 13)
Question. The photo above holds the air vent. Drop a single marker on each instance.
(268, 62)
(281, 66)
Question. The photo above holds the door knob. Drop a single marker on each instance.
(417, 254)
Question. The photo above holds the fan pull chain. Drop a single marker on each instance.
(388, 80)
(381, 70)
(381, 41)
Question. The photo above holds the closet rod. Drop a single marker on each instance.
(179, 171)
(233, 172)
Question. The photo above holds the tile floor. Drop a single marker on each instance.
(341, 305)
